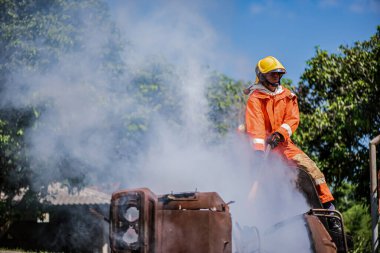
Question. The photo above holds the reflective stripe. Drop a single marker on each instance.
(258, 141)
(320, 181)
(287, 128)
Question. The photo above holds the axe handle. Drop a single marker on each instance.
(252, 192)
(267, 151)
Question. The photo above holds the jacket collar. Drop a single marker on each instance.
(259, 89)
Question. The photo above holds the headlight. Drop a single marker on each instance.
(132, 214)
(130, 236)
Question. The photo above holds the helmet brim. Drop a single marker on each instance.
(283, 71)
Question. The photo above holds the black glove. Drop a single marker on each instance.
(274, 139)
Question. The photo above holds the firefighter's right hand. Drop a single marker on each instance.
(274, 139)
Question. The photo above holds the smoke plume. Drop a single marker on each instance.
(85, 117)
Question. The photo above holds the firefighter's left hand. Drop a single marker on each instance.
(274, 139)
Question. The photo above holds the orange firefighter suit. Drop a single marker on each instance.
(268, 112)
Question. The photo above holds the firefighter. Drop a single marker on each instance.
(271, 118)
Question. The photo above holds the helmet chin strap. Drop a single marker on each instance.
(273, 84)
(265, 80)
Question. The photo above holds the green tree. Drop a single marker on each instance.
(154, 87)
(339, 103)
(34, 36)
(226, 103)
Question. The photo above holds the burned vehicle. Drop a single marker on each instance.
(187, 222)
(142, 222)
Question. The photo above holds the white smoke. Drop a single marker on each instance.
(79, 121)
(180, 160)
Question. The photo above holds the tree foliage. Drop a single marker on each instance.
(42, 37)
(226, 103)
(34, 36)
(339, 104)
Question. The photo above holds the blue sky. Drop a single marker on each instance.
(290, 30)
(245, 31)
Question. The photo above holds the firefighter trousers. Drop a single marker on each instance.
(305, 163)
(302, 161)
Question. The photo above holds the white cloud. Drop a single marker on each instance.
(263, 6)
(356, 6)
(329, 3)
(272, 8)
(257, 8)
(362, 6)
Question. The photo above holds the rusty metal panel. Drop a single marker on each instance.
(189, 231)
(378, 191)
(180, 223)
(194, 222)
(193, 201)
(375, 201)
(321, 239)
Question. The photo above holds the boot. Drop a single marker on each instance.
(333, 223)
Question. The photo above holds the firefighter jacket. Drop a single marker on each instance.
(268, 112)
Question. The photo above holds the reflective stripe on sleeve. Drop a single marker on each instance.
(258, 141)
(320, 181)
(287, 128)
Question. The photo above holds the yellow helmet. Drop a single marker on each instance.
(266, 65)
(269, 64)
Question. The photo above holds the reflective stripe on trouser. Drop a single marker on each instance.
(305, 163)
